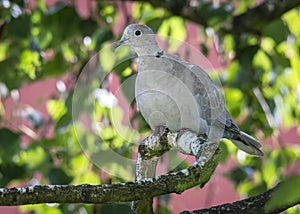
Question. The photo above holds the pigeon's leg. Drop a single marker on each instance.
(190, 143)
(203, 151)
(184, 141)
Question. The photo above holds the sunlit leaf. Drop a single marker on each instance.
(3, 51)
(292, 19)
(30, 63)
(81, 163)
(34, 157)
(174, 28)
(56, 108)
(270, 172)
(42, 5)
(145, 13)
(41, 208)
(262, 60)
(234, 97)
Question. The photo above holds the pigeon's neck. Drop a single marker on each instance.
(149, 50)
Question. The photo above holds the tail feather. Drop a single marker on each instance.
(248, 144)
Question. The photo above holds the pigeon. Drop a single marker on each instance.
(175, 94)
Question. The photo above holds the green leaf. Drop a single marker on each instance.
(234, 98)
(64, 23)
(56, 66)
(64, 122)
(271, 30)
(245, 56)
(120, 69)
(101, 36)
(144, 12)
(19, 27)
(270, 172)
(29, 63)
(9, 144)
(3, 51)
(283, 157)
(115, 208)
(281, 61)
(260, 188)
(56, 108)
(224, 152)
(34, 157)
(286, 194)
(9, 74)
(9, 171)
(240, 174)
(59, 177)
(42, 5)
(215, 13)
(174, 29)
(293, 19)
(154, 23)
(262, 60)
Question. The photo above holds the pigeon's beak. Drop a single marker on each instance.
(121, 42)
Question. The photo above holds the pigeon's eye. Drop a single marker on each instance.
(137, 33)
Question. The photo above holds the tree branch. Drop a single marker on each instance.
(250, 205)
(160, 142)
(149, 151)
(251, 21)
(132, 191)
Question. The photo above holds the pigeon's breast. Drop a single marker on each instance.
(165, 98)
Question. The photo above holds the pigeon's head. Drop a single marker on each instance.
(139, 38)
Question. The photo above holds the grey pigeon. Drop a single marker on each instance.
(176, 94)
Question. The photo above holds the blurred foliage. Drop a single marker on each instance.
(261, 80)
(286, 188)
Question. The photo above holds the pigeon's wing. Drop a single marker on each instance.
(203, 88)
(210, 98)
(206, 93)
(212, 107)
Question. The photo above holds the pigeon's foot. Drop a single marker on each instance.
(204, 152)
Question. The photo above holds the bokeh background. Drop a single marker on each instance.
(45, 44)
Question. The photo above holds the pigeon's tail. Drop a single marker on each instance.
(248, 144)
